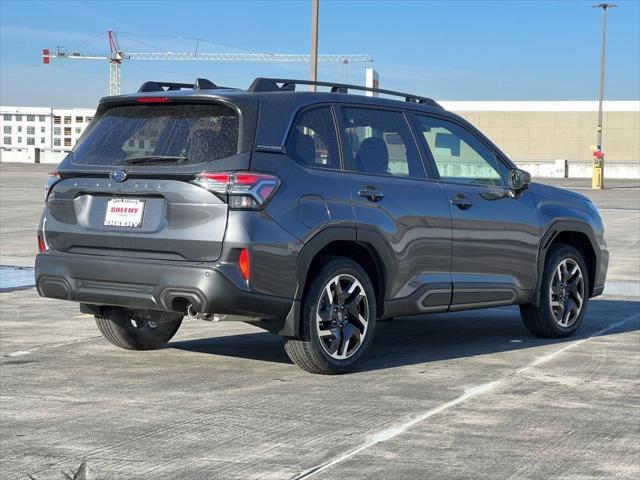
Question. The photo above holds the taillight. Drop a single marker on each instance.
(214, 182)
(243, 264)
(42, 246)
(52, 178)
(243, 191)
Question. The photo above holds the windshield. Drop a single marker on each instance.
(187, 134)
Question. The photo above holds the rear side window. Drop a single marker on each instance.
(183, 134)
(313, 141)
(379, 141)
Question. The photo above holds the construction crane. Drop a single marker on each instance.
(116, 56)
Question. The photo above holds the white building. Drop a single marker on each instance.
(54, 131)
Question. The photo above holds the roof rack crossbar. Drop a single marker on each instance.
(200, 84)
(271, 85)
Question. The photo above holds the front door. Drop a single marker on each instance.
(495, 233)
(393, 202)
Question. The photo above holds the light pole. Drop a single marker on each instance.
(313, 71)
(597, 180)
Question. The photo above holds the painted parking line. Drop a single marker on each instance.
(47, 346)
(409, 421)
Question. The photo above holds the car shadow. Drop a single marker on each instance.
(260, 345)
(432, 338)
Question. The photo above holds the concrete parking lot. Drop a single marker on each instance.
(463, 395)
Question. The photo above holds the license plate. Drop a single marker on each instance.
(124, 212)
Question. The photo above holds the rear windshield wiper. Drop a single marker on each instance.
(156, 159)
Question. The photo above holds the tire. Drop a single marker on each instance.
(559, 295)
(132, 332)
(330, 354)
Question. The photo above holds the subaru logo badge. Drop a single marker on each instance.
(118, 175)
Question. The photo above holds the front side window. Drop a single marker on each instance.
(6, 117)
(6, 140)
(31, 118)
(7, 129)
(31, 130)
(190, 133)
(458, 155)
(379, 142)
(312, 140)
(31, 141)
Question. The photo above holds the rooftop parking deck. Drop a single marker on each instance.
(460, 395)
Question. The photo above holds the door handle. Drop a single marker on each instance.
(462, 202)
(371, 194)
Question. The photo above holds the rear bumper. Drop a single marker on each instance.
(153, 285)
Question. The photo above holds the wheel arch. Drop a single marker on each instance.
(575, 234)
(346, 242)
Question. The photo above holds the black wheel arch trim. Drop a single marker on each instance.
(368, 239)
(556, 228)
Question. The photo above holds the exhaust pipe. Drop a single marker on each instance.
(192, 312)
(211, 317)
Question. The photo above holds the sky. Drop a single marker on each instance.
(447, 50)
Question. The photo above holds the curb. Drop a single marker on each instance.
(622, 289)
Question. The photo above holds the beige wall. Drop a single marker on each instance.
(539, 135)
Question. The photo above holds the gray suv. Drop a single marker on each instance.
(310, 214)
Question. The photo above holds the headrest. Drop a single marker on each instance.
(373, 156)
(304, 148)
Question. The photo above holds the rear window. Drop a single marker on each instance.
(175, 135)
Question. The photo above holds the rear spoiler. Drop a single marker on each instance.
(200, 84)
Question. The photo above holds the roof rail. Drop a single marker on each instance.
(289, 85)
(200, 84)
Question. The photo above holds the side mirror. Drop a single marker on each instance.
(518, 179)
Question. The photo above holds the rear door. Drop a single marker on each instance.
(126, 186)
(495, 233)
(393, 200)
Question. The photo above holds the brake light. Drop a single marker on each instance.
(153, 100)
(52, 178)
(243, 191)
(243, 264)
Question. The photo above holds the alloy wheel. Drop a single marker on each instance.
(566, 292)
(342, 316)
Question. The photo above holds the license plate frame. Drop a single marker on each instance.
(122, 212)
